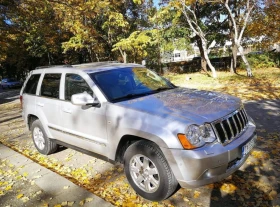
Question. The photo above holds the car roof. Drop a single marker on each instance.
(90, 67)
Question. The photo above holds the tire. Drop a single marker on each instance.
(148, 171)
(42, 143)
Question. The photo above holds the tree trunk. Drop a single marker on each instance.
(203, 62)
(214, 74)
(124, 55)
(248, 68)
(233, 59)
(90, 54)
(204, 47)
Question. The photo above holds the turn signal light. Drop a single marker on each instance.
(185, 142)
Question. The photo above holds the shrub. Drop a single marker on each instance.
(257, 61)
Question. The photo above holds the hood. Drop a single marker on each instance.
(186, 104)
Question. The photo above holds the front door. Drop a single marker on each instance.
(84, 126)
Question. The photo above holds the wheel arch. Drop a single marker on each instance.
(128, 139)
(30, 119)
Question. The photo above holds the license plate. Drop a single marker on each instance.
(247, 147)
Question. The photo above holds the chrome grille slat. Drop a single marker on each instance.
(231, 131)
(240, 121)
(224, 130)
(237, 129)
(244, 115)
(230, 126)
(236, 123)
(242, 118)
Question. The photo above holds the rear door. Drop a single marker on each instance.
(48, 102)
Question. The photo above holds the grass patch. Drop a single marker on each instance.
(264, 85)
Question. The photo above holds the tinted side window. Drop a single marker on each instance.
(50, 85)
(31, 84)
(75, 84)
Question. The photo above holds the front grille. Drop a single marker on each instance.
(231, 126)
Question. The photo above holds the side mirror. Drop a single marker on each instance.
(84, 99)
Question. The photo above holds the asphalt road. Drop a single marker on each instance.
(8, 95)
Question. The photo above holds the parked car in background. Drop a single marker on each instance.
(10, 83)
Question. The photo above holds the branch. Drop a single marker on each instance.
(232, 18)
(188, 17)
(246, 19)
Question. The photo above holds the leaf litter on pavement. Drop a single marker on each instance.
(255, 184)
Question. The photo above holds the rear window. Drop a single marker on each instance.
(31, 84)
(50, 85)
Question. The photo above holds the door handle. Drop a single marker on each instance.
(69, 111)
(40, 104)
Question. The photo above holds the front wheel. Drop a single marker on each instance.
(42, 143)
(148, 171)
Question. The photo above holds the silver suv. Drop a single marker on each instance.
(165, 136)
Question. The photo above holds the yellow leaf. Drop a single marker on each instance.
(196, 194)
(228, 188)
(65, 203)
(57, 205)
(70, 203)
(89, 199)
(25, 199)
(82, 202)
(19, 196)
(25, 174)
(9, 187)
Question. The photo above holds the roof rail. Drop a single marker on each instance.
(52, 66)
(95, 63)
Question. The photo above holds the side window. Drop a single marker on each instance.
(31, 84)
(75, 84)
(50, 85)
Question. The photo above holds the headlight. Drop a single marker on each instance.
(196, 136)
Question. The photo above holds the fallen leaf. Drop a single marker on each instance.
(25, 199)
(196, 194)
(89, 199)
(228, 188)
(19, 196)
(70, 203)
(82, 202)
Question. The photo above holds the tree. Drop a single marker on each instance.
(239, 13)
(191, 11)
(136, 44)
(264, 25)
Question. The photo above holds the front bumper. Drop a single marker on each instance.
(211, 163)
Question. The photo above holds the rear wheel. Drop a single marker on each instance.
(148, 171)
(42, 143)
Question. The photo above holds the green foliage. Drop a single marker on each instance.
(258, 61)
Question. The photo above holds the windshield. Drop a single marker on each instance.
(126, 83)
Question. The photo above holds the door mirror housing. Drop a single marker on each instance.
(84, 99)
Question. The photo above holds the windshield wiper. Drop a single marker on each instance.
(162, 89)
(130, 95)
